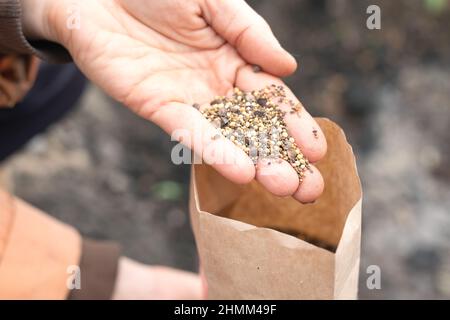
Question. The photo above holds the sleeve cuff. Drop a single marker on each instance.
(12, 39)
(98, 270)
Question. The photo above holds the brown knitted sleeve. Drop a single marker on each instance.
(12, 39)
(98, 270)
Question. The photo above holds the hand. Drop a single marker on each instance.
(138, 281)
(159, 56)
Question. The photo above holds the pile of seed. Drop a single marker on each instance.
(255, 123)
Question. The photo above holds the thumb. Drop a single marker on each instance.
(250, 34)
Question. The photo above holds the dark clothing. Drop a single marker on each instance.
(56, 91)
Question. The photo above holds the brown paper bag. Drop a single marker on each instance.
(254, 245)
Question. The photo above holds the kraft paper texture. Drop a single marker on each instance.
(254, 245)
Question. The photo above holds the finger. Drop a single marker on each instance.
(187, 125)
(311, 187)
(250, 34)
(301, 126)
(277, 176)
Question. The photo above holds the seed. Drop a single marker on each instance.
(315, 133)
(254, 122)
(256, 68)
(259, 113)
(262, 102)
(223, 122)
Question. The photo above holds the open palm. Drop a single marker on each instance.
(160, 57)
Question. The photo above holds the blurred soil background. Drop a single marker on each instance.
(109, 173)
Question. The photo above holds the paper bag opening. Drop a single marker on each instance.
(320, 224)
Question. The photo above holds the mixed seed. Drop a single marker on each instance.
(255, 123)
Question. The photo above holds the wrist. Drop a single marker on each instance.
(34, 18)
(40, 19)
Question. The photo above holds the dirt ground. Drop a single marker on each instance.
(109, 173)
